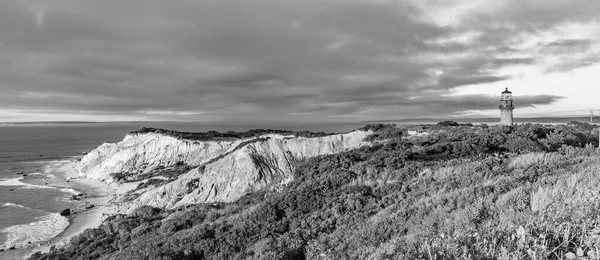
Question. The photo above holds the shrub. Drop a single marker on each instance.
(210, 135)
(448, 123)
(146, 212)
(383, 132)
(121, 176)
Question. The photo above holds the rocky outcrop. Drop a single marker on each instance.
(226, 169)
(65, 212)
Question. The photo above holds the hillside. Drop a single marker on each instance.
(463, 192)
(173, 168)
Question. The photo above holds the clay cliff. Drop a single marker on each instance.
(223, 170)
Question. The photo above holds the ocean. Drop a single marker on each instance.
(30, 201)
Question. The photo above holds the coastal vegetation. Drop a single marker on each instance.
(450, 192)
(214, 135)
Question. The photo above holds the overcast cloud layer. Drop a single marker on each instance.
(281, 60)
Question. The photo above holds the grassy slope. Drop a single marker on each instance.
(459, 193)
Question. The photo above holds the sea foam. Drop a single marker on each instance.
(4, 205)
(48, 227)
(18, 182)
(69, 190)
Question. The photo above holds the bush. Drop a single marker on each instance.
(383, 132)
(121, 176)
(448, 123)
(146, 212)
(210, 135)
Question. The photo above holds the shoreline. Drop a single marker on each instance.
(97, 193)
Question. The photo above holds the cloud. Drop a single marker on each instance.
(280, 59)
(572, 63)
(469, 79)
(482, 102)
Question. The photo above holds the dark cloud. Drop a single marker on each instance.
(502, 62)
(248, 79)
(452, 81)
(571, 43)
(571, 63)
(568, 46)
(480, 102)
(427, 105)
(266, 59)
(537, 15)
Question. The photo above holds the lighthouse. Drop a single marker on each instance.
(506, 108)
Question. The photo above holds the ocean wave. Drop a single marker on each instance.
(35, 158)
(48, 227)
(8, 204)
(18, 182)
(69, 190)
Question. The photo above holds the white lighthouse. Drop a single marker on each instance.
(506, 108)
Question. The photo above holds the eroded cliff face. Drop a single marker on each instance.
(226, 169)
(144, 152)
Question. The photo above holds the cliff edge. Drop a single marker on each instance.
(218, 170)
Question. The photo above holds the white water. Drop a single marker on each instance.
(44, 229)
(13, 205)
(18, 182)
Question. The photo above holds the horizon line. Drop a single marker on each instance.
(360, 121)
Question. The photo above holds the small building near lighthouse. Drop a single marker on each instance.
(506, 108)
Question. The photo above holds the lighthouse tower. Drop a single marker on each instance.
(506, 108)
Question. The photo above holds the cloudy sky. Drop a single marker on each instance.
(295, 60)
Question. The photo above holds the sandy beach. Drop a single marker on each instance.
(97, 193)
